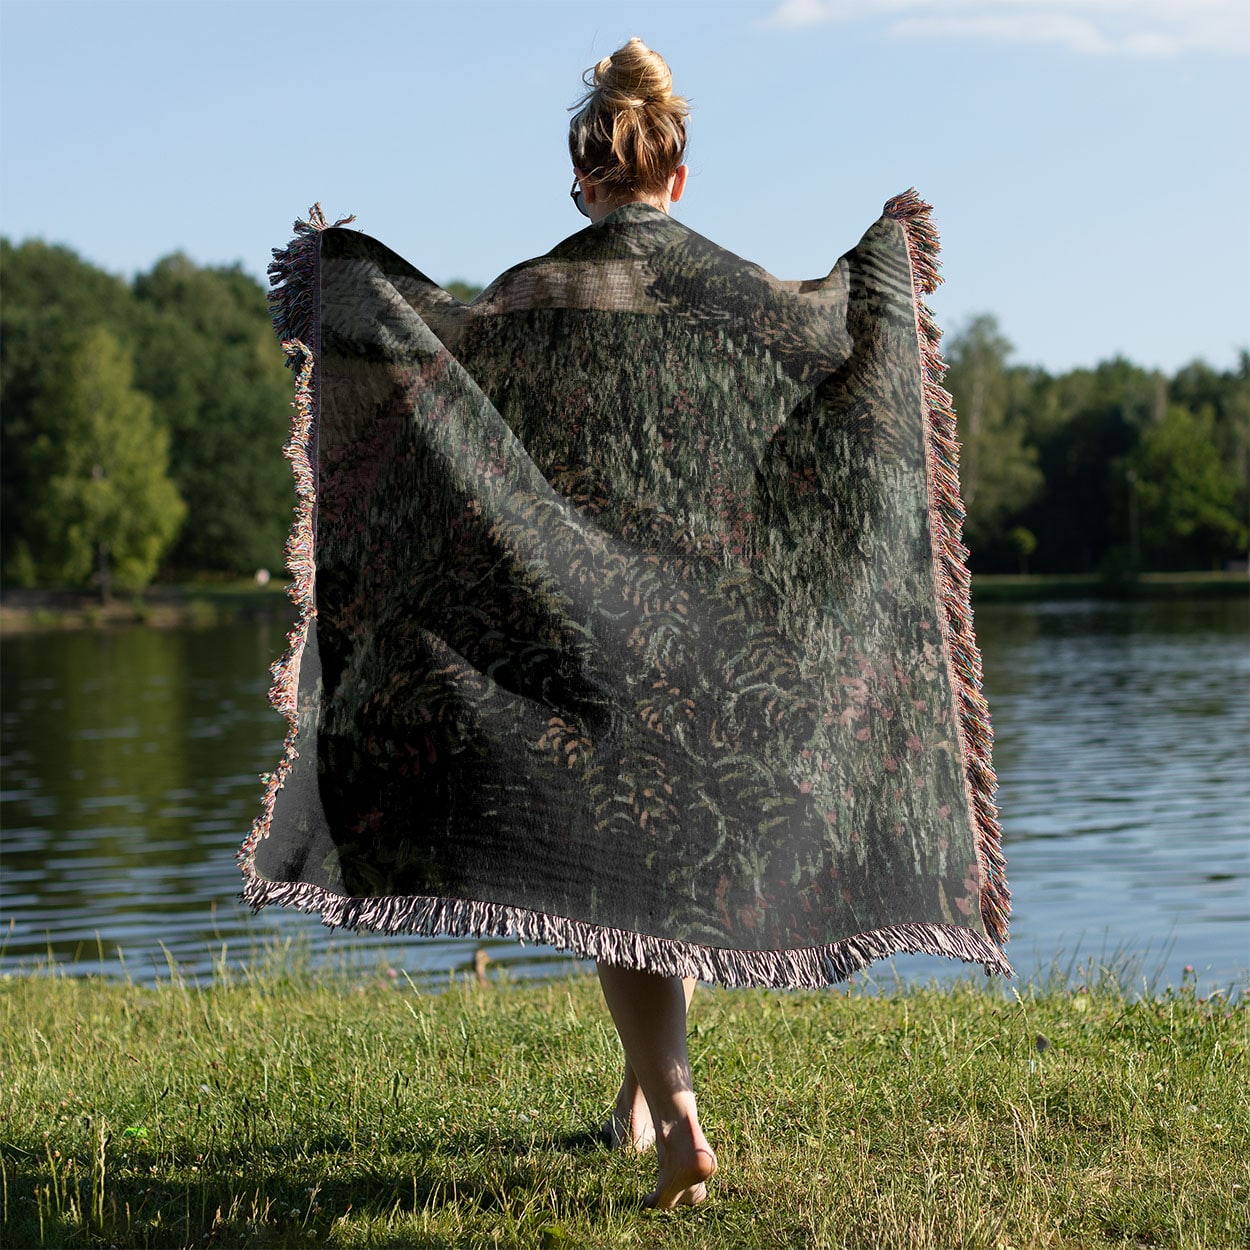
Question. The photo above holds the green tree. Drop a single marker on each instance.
(107, 511)
(1223, 399)
(1086, 424)
(1024, 543)
(51, 297)
(208, 358)
(1187, 493)
(997, 467)
(465, 292)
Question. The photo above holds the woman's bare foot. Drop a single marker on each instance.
(629, 1126)
(649, 1011)
(686, 1165)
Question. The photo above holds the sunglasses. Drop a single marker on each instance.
(576, 196)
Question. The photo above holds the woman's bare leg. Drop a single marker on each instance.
(649, 1012)
(629, 1127)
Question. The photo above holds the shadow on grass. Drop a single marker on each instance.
(275, 1195)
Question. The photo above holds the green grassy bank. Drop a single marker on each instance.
(218, 603)
(283, 1109)
(1006, 587)
(195, 603)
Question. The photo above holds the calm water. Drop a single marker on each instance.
(1123, 749)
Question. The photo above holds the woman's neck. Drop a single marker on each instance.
(605, 207)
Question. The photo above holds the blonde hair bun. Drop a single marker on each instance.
(632, 77)
(629, 132)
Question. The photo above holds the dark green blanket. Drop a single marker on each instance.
(635, 617)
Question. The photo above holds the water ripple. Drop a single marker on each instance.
(132, 759)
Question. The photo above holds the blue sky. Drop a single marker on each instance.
(1088, 160)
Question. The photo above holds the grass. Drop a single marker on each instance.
(283, 1108)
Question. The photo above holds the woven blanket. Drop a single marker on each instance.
(634, 616)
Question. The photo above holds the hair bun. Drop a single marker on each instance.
(633, 77)
(629, 131)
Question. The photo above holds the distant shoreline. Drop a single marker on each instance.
(162, 607)
(1011, 587)
(204, 605)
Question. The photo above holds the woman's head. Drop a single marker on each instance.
(629, 131)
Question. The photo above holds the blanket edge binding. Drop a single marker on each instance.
(954, 582)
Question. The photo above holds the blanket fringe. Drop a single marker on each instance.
(954, 580)
(809, 968)
(294, 305)
(294, 297)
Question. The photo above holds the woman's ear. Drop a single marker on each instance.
(678, 185)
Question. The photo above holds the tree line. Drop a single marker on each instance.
(140, 424)
(1114, 470)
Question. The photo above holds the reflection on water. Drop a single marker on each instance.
(1122, 746)
(131, 762)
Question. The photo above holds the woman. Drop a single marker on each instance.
(628, 144)
(634, 614)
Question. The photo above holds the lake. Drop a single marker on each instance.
(131, 761)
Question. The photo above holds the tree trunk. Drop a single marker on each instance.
(105, 574)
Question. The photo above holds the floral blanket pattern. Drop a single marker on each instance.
(635, 619)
